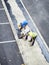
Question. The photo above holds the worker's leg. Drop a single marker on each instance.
(33, 41)
(25, 37)
(29, 38)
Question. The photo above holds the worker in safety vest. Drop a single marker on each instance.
(22, 25)
(31, 36)
(24, 32)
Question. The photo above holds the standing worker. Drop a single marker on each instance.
(31, 36)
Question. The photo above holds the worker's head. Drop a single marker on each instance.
(19, 26)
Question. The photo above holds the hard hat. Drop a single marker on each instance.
(24, 23)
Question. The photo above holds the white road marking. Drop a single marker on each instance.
(8, 41)
(4, 23)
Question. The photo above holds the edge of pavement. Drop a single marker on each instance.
(35, 26)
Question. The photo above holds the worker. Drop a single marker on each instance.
(31, 36)
(25, 32)
(22, 25)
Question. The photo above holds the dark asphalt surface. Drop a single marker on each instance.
(3, 18)
(6, 33)
(9, 52)
(39, 11)
(1, 6)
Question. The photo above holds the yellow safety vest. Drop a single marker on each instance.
(32, 34)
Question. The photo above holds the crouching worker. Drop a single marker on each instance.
(31, 36)
(25, 32)
(22, 25)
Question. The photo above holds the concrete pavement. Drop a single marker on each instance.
(31, 55)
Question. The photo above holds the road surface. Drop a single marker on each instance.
(9, 52)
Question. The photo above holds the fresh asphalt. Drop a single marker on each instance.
(39, 11)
